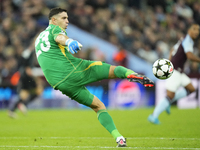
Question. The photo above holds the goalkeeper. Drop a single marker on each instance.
(69, 74)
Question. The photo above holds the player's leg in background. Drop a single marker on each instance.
(23, 96)
(187, 90)
(162, 105)
(183, 92)
(173, 94)
(106, 120)
(172, 85)
(26, 95)
(35, 91)
(166, 102)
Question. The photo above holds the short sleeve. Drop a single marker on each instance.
(188, 44)
(56, 31)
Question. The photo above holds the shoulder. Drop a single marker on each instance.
(57, 29)
(188, 40)
(188, 44)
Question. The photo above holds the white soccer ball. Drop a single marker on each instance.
(163, 68)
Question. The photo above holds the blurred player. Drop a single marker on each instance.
(69, 74)
(120, 58)
(29, 87)
(182, 51)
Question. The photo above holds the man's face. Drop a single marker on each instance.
(194, 31)
(61, 20)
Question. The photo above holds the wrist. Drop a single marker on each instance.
(68, 41)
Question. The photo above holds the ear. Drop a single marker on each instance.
(53, 19)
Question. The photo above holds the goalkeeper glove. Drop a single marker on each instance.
(73, 46)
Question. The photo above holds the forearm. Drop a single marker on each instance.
(170, 54)
(193, 58)
(73, 45)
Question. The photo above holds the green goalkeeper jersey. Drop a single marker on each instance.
(55, 60)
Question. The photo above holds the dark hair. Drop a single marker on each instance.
(56, 11)
(191, 24)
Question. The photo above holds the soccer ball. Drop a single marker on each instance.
(163, 68)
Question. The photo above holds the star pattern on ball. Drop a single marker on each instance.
(158, 66)
(160, 70)
(167, 63)
(166, 74)
(157, 76)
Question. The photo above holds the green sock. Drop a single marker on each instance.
(106, 120)
(122, 72)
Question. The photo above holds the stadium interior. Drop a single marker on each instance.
(130, 33)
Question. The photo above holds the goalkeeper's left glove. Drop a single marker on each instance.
(73, 45)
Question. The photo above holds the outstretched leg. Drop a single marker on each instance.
(123, 73)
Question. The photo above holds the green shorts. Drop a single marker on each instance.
(87, 72)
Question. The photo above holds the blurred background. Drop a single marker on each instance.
(130, 33)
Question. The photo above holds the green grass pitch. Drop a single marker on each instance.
(54, 129)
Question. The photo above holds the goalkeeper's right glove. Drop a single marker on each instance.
(73, 46)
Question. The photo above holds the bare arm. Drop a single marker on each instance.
(73, 46)
(192, 57)
(61, 39)
(170, 54)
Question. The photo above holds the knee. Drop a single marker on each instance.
(191, 90)
(97, 105)
(39, 90)
(24, 94)
(170, 95)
